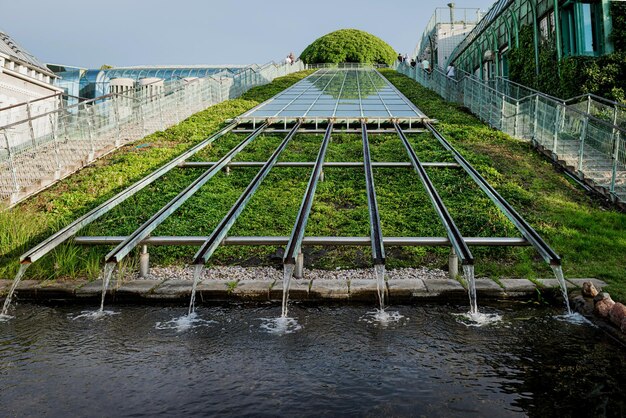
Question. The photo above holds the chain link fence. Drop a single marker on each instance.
(585, 134)
(39, 150)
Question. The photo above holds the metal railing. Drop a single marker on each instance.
(39, 150)
(346, 65)
(585, 134)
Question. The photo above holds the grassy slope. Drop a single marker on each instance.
(38, 217)
(590, 238)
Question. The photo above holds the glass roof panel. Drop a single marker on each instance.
(339, 92)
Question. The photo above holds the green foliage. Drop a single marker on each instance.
(576, 75)
(589, 237)
(32, 221)
(618, 35)
(348, 45)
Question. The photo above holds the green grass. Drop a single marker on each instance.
(590, 238)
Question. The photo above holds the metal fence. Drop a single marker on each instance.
(585, 134)
(39, 150)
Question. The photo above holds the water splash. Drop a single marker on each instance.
(184, 323)
(379, 274)
(288, 273)
(468, 273)
(281, 325)
(383, 317)
(197, 275)
(575, 318)
(558, 273)
(478, 319)
(108, 272)
(4, 316)
(94, 315)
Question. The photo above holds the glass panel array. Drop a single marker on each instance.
(343, 93)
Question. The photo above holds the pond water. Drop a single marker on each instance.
(337, 361)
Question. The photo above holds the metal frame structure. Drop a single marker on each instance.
(297, 239)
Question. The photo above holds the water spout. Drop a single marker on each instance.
(16, 281)
(197, 275)
(108, 272)
(288, 273)
(558, 273)
(468, 273)
(379, 274)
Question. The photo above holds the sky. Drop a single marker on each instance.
(90, 33)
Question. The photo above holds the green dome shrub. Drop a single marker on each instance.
(348, 45)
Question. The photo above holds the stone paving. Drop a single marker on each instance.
(402, 285)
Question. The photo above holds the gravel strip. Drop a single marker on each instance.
(270, 274)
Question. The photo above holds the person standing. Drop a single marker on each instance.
(450, 71)
(426, 66)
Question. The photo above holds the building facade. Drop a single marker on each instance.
(446, 28)
(573, 27)
(23, 79)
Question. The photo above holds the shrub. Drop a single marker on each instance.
(348, 45)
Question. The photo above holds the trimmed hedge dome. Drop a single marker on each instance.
(348, 45)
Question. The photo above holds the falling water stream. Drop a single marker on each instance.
(288, 273)
(108, 272)
(468, 272)
(474, 316)
(197, 275)
(16, 281)
(558, 272)
(379, 273)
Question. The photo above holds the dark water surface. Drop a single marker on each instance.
(338, 364)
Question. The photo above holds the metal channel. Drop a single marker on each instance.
(297, 234)
(382, 164)
(309, 241)
(458, 243)
(546, 252)
(119, 252)
(218, 234)
(376, 234)
(61, 236)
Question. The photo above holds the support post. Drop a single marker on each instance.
(555, 138)
(90, 128)
(15, 183)
(581, 151)
(55, 142)
(30, 124)
(453, 264)
(516, 123)
(616, 142)
(299, 271)
(144, 262)
(535, 121)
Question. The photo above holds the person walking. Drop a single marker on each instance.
(426, 66)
